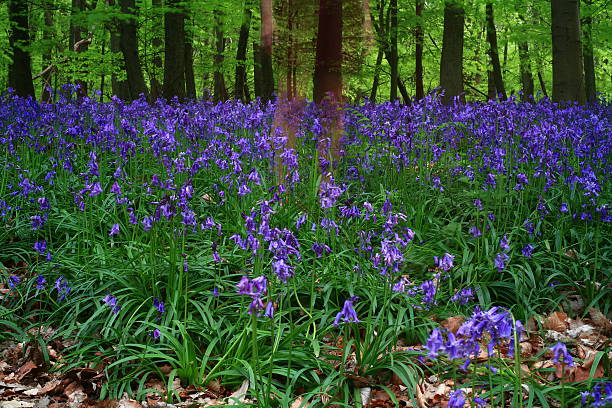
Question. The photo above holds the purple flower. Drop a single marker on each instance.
(156, 334)
(480, 402)
(463, 296)
(563, 207)
(215, 292)
(13, 281)
(115, 188)
(560, 350)
(457, 399)
(40, 246)
(445, 263)
(478, 204)
(94, 189)
(114, 230)
(269, 313)
(348, 313)
(500, 261)
(282, 270)
(503, 243)
(527, 250)
(159, 305)
(62, 287)
(111, 301)
(435, 344)
(40, 282)
(475, 232)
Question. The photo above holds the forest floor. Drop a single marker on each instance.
(26, 380)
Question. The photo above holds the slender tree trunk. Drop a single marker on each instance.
(418, 57)
(568, 69)
(157, 46)
(328, 79)
(525, 68)
(589, 62)
(542, 84)
(394, 59)
(376, 79)
(190, 86)
(119, 88)
(76, 43)
(240, 82)
(220, 90)
(491, 91)
(129, 49)
(47, 57)
(494, 53)
(174, 51)
(103, 75)
(20, 69)
(257, 74)
(267, 75)
(451, 63)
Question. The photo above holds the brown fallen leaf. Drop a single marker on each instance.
(601, 321)
(557, 321)
(26, 369)
(420, 398)
(453, 324)
(299, 403)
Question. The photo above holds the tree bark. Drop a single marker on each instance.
(129, 49)
(494, 52)
(20, 69)
(190, 86)
(220, 90)
(393, 56)
(157, 44)
(418, 57)
(257, 74)
(119, 88)
(174, 51)
(451, 63)
(47, 56)
(589, 62)
(240, 82)
(265, 43)
(76, 43)
(525, 68)
(542, 84)
(376, 80)
(568, 69)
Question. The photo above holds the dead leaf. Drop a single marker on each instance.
(128, 403)
(453, 324)
(366, 394)
(557, 321)
(26, 369)
(238, 396)
(299, 403)
(600, 320)
(420, 398)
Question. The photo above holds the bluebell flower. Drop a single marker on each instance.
(500, 261)
(348, 313)
(445, 263)
(269, 313)
(159, 305)
(560, 350)
(475, 232)
(13, 281)
(527, 250)
(457, 399)
(40, 246)
(114, 230)
(503, 243)
(40, 282)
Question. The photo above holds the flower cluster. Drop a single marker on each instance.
(255, 288)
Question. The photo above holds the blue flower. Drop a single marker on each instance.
(348, 313)
(457, 399)
(40, 282)
(500, 261)
(114, 230)
(527, 250)
(445, 263)
(13, 281)
(560, 350)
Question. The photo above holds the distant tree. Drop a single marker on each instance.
(157, 48)
(241, 90)
(47, 56)
(128, 41)
(20, 69)
(174, 50)
(451, 63)
(587, 51)
(418, 54)
(190, 86)
(393, 55)
(568, 70)
(220, 90)
(494, 52)
(265, 50)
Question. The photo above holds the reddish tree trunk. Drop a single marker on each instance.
(265, 54)
(328, 60)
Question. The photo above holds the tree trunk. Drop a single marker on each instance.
(267, 75)
(190, 86)
(568, 69)
(240, 83)
(47, 56)
(129, 48)
(220, 90)
(589, 62)
(393, 57)
(494, 53)
(491, 91)
(451, 63)
(20, 69)
(119, 88)
(525, 68)
(174, 51)
(542, 84)
(376, 79)
(257, 74)
(157, 44)
(76, 43)
(418, 57)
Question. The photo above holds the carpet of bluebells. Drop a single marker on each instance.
(158, 235)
